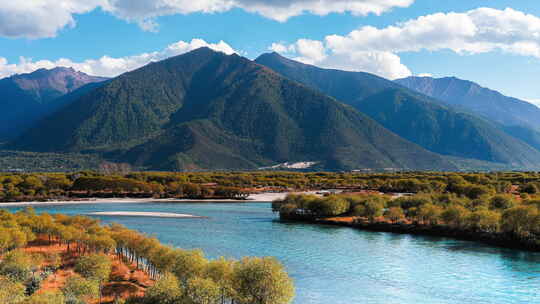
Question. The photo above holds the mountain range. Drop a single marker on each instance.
(205, 110)
(27, 98)
(426, 121)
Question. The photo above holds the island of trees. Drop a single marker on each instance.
(58, 259)
(498, 209)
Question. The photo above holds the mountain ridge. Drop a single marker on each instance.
(422, 120)
(27, 98)
(508, 111)
(208, 110)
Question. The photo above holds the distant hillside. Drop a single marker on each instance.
(27, 98)
(482, 101)
(443, 130)
(207, 110)
(349, 87)
(412, 115)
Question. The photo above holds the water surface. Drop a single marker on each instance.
(342, 265)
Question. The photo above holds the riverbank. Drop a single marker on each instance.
(253, 198)
(494, 239)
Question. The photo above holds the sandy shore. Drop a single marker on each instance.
(145, 214)
(254, 198)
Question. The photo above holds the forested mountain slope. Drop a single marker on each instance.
(488, 103)
(415, 116)
(27, 98)
(207, 110)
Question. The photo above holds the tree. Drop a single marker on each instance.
(96, 267)
(455, 215)
(484, 220)
(262, 281)
(17, 265)
(79, 290)
(518, 220)
(501, 202)
(329, 206)
(476, 191)
(202, 291)
(188, 264)
(165, 291)
(394, 214)
(429, 213)
(11, 292)
(221, 272)
(529, 188)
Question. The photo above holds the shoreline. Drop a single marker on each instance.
(254, 198)
(495, 240)
(147, 214)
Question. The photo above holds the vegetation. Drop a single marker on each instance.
(508, 111)
(504, 219)
(28, 98)
(206, 110)
(15, 161)
(426, 121)
(181, 276)
(84, 184)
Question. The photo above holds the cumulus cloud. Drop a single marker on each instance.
(477, 31)
(385, 64)
(281, 10)
(110, 66)
(44, 18)
(41, 18)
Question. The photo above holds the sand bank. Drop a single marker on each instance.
(145, 214)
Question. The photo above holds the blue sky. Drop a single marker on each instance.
(497, 47)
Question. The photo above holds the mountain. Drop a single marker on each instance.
(446, 131)
(208, 110)
(27, 98)
(412, 115)
(349, 87)
(488, 103)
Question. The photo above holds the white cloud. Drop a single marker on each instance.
(310, 51)
(44, 18)
(109, 66)
(477, 31)
(535, 102)
(41, 18)
(281, 10)
(385, 64)
(425, 75)
(279, 47)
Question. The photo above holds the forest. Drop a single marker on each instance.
(59, 259)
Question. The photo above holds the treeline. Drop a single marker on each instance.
(238, 185)
(502, 218)
(18, 187)
(182, 276)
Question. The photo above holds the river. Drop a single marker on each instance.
(341, 265)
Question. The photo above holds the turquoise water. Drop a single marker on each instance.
(341, 265)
